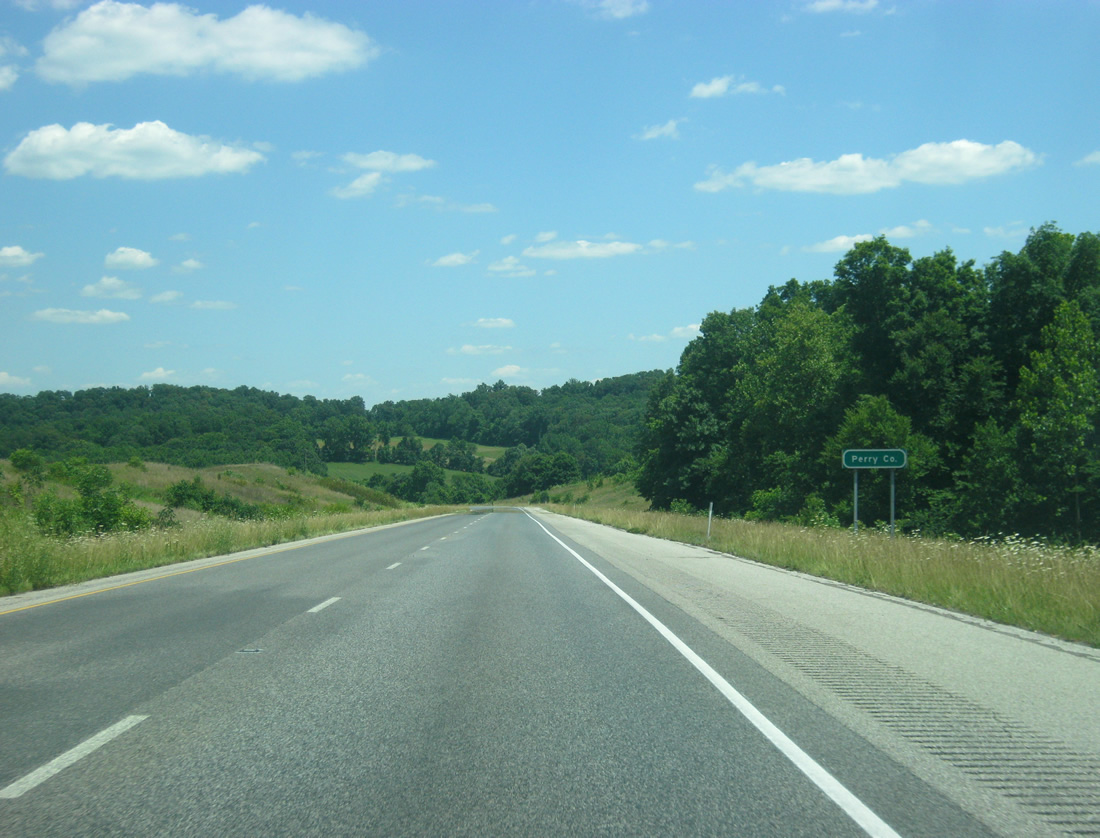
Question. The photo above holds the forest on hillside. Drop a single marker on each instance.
(563, 433)
(986, 376)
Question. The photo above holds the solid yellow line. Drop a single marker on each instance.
(163, 576)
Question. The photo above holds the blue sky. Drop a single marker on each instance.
(402, 200)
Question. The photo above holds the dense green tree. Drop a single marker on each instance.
(1059, 398)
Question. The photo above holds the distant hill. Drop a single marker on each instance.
(597, 424)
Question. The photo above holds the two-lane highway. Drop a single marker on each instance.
(466, 675)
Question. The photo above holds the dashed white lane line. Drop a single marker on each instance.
(392, 566)
(323, 605)
(852, 806)
(58, 764)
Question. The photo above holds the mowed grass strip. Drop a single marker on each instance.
(1012, 580)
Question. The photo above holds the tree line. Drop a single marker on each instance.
(578, 429)
(986, 376)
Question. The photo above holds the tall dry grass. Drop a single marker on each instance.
(30, 561)
(1011, 580)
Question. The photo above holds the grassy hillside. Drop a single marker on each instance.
(288, 505)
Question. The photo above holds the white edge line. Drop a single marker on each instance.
(323, 605)
(852, 806)
(58, 764)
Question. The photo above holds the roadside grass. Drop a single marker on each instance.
(31, 561)
(1015, 581)
(313, 506)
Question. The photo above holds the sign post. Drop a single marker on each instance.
(861, 458)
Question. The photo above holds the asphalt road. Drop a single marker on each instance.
(485, 674)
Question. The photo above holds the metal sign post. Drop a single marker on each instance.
(861, 458)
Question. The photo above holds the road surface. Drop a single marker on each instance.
(528, 674)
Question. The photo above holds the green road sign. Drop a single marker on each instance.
(875, 458)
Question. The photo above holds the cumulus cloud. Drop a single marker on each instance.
(731, 86)
(454, 260)
(213, 305)
(508, 371)
(581, 250)
(1089, 160)
(159, 374)
(148, 151)
(14, 256)
(166, 297)
(130, 258)
(668, 129)
(113, 41)
(112, 287)
(850, 174)
(495, 323)
(67, 315)
(9, 380)
(188, 266)
(838, 244)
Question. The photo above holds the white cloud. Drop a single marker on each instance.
(188, 265)
(66, 315)
(858, 6)
(487, 349)
(495, 323)
(850, 174)
(616, 9)
(148, 151)
(511, 266)
(669, 129)
(112, 41)
(548, 236)
(213, 305)
(378, 163)
(388, 161)
(508, 371)
(1089, 160)
(582, 250)
(8, 380)
(726, 86)
(686, 332)
(9, 72)
(159, 374)
(838, 244)
(112, 287)
(907, 231)
(362, 185)
(511, 237)
(130, 258)
(454, 260)
(166, 297)
(15, 256)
